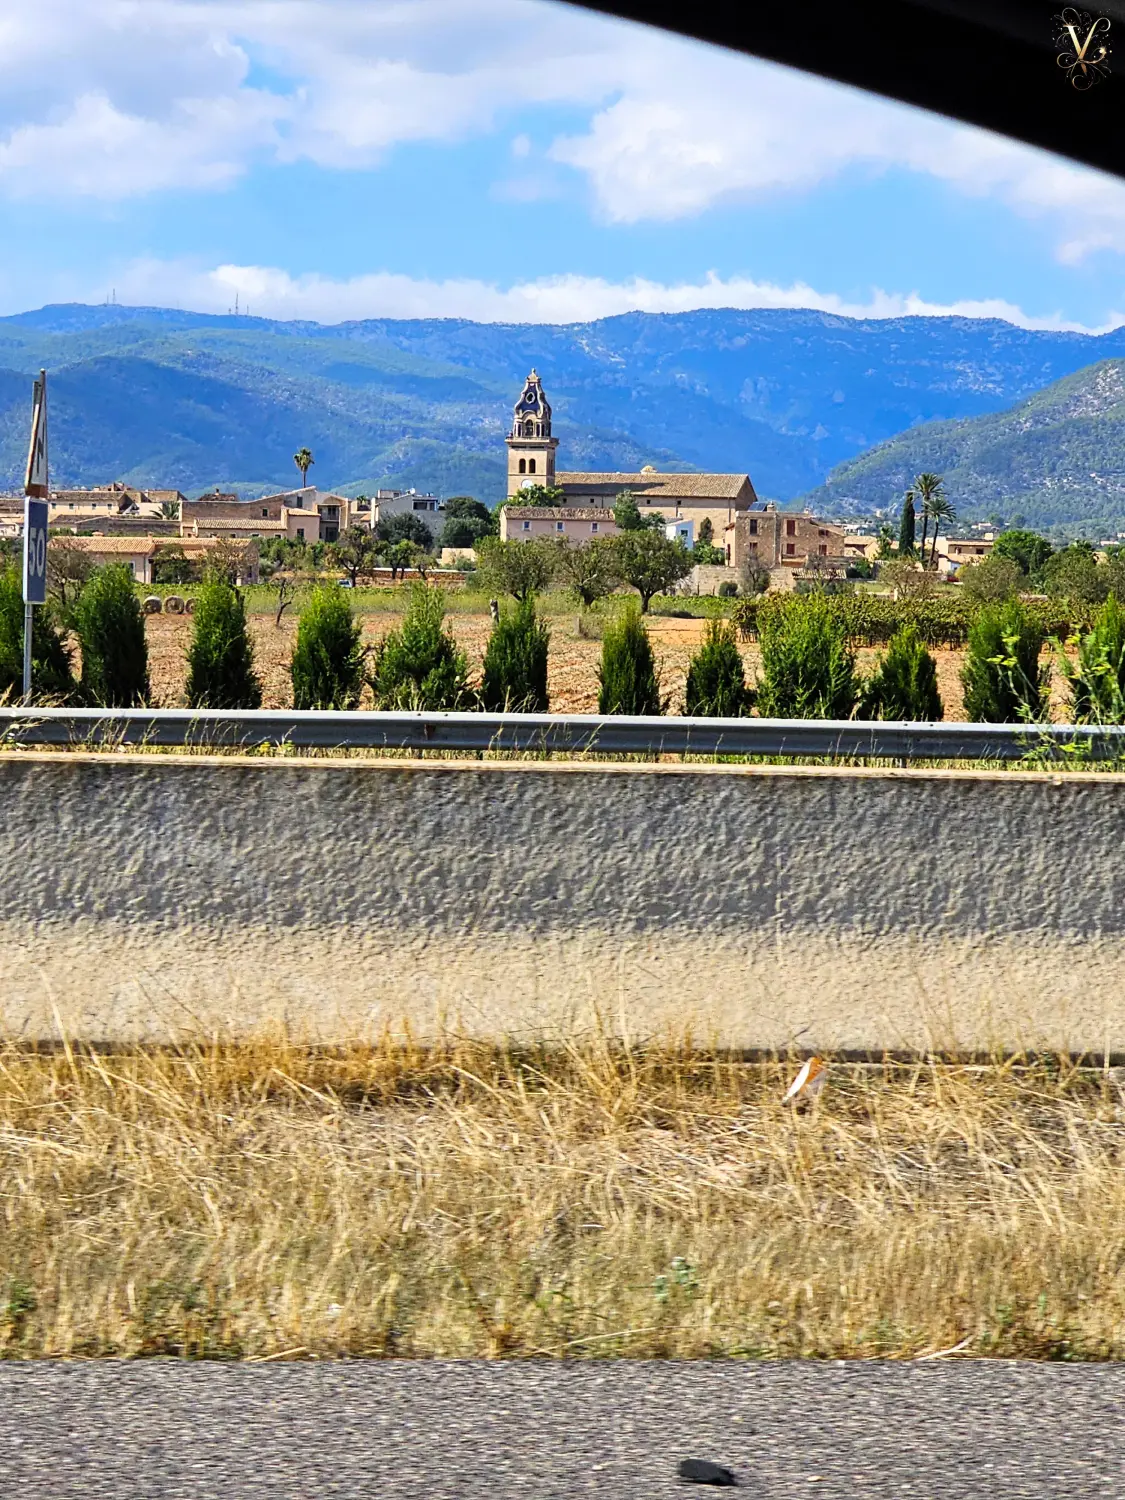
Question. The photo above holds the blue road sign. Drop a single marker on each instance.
(35, 551)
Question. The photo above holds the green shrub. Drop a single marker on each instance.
(904, 684)
(517, 568)
(327, 665)
(627, 675)
(716, 683)
(1003, 681)
(992, 579)
(221, 658)
(51, 675)
(1097, 678)
(515, 663)
(808, 669)
(944, 620)
(728, 589)
(111, 632)
(421, 666)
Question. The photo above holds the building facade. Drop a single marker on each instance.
(684, 501)
(574, 524)
(781, 540)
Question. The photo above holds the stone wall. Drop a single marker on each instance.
(163, 896)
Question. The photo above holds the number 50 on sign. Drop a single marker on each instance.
(35, 552)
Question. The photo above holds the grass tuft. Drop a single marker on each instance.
(263, 1198)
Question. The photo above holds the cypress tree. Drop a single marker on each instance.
(627, 675)
(904, 686)
(1002, 678)
(515, 663)
(421, 666)
(906, 526)
(327, 665)
(111, 632)
(51, 675)
(221, 658)
(716, 683)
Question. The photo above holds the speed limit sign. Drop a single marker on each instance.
(35, 551)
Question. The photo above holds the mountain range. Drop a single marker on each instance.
(796, 398)
(1053, 460)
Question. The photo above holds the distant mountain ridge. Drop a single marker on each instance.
(161, 396)
(1056, 459)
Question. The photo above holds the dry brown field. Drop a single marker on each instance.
(573, 661)
(265, 1200)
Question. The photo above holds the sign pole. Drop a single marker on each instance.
(28, 627)
(35, 518)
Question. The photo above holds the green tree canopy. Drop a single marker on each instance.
(628, 516)
(357, 551)
(590, 572)
(467, 521)
(1027, 549)
(406, 527)
(650, 562)
(537, 494)
(518, 568)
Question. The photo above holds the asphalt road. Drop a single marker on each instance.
(494, 1430)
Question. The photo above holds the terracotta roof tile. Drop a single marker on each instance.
(661, 486)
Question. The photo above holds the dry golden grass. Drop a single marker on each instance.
(265, 1199)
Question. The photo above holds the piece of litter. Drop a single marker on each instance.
(702, 1471)
(808, 1083)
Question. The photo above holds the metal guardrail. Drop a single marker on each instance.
(569, 733)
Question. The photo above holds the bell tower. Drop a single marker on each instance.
(531, 448)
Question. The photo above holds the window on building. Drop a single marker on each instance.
(593, 526)
(822, 532)
(753, 547)
(531, 466)
(790, 549)
(790, 528)
(558, 525)
(265, 510)
(300, 533)
(527, 526)
(753, 527)
(823, 549)
(523, 465)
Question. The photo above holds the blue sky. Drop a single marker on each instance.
(508, 159)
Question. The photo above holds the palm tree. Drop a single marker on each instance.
(941, 509)
(928, 488)
(304, 461)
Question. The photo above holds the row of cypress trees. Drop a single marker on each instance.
(808, 669)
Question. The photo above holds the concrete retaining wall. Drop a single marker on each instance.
(158, 896)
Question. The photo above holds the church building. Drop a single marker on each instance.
(685, 499)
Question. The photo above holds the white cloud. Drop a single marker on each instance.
(273, 293)
(113, 98)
